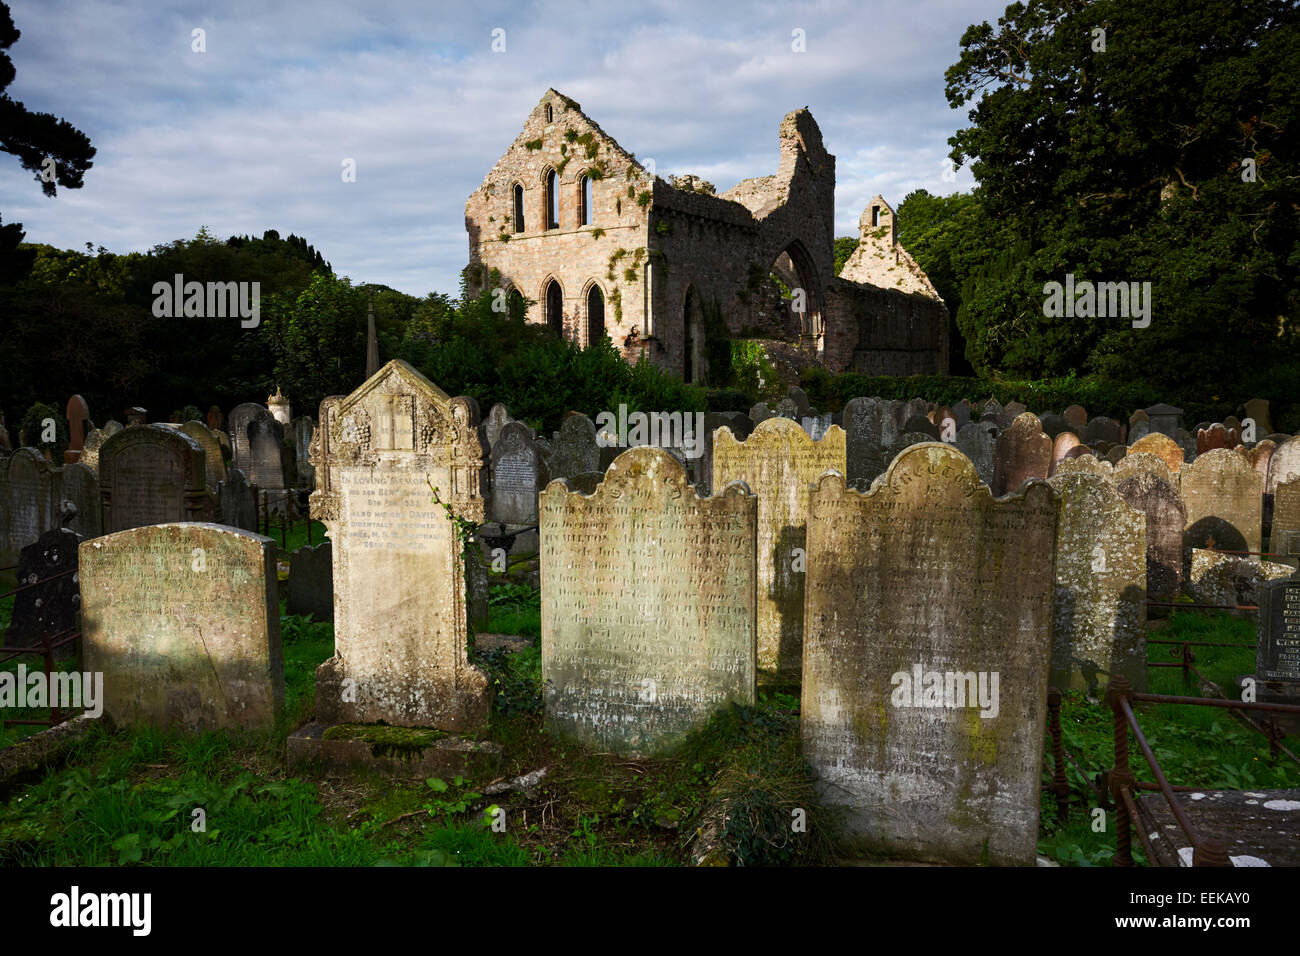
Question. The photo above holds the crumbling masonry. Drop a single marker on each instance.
(574, 226)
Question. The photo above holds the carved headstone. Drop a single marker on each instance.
(1224, 498)
(237, 501)
(1022, 452)
(924, 591)
(1099, 609)
(574, 449)
(400, 614)
(1166, 516)
(183, 620)
(214, 465)
(80, 486)
(50, 609)
(778, 462)
(1163, 447)
(977, 441)
(151, 474)
(869, 430)
(518, 476)
(648, 616)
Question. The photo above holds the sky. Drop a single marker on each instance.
(252, 133)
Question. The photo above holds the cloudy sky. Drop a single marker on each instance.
(252, 133)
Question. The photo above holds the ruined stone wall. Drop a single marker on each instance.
(652, 249)
(576, 256)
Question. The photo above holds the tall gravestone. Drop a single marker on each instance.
(213, 464)
(183, 620)
(518, 476)
(574, 450)
(778, 462)
(32, 485)
(1277, 650)
(151, 474)
(1165, 516)
(869, 431)
(400, 612)
(928, 635)
(80, 486)
(1284, 537)
(237, 501)
(302, 431)
(266, 459)
(1284, 464)
(648, 604)
(1021, 452)
(1099, 609)
(79, 425)
(977, 440)
(241, 416)
(498, 417)
(1224, 498)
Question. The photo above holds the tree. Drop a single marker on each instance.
(51, 148)
(1152, 142)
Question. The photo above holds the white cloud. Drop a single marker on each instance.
(250, 135)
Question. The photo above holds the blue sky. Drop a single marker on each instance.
(251, 134)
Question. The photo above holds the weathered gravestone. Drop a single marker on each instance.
(400, 614)
(1166, 516)
(213, 464)
(237, 501)
(1144, 463)
(1099, 609)
(266, 459)
(50, 609)
(574, 449)
(1284, 537)
(978, 441)
(80, 487)
(740, 426)
(1053, 424)
(1283, 465)
(518, 476)
(1076, 417)
(1062, 444)
(151, 474)
(32, 484)
(240, 418)
(797, 395)
(1257, 410)
(778, 462)
(302, 431)
(311, 581)
(497, 418)
(1102, 429)
(869, 431)
(1163, 447)
(1089, 464)
(648, 604)
(183, 620)
(1224, 498)
(928, 636)
(96, 438)
(1021, 452)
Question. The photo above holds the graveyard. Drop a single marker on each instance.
(747, 546)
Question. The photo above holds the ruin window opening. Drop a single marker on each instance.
(875, 216)
(595, 315)
(519, 208)
(584, 201)
(552, 200)
(555, 307)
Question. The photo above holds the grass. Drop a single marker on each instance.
(728, 792)
(1196, 746)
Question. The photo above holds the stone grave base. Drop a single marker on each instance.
(414, 752)
(1259, 827)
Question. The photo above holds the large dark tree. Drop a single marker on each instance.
(34, 138)
(1151, 141)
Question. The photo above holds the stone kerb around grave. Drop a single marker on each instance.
(927, 640)
(400, 612)
(648, 604)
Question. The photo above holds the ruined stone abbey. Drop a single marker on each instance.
(588, 241)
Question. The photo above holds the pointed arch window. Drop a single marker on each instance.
(584, 201)
(552, 200)
(519, 208)
(555, 307)
(595, 315)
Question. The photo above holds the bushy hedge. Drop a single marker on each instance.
(536, 374)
